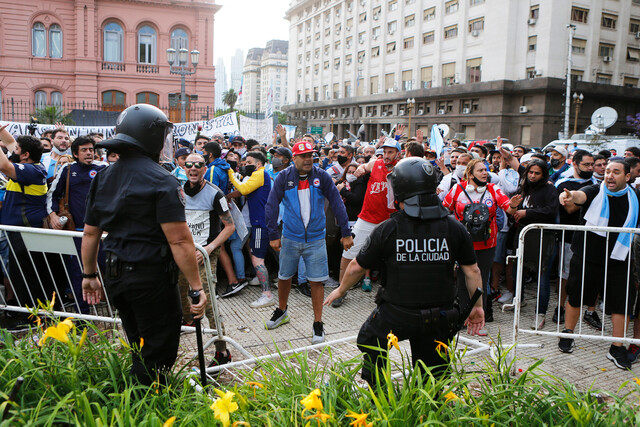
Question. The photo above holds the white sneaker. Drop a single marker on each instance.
(483, 332)
(255, 281)
(538, 321)
(507, 297)
(263, 301)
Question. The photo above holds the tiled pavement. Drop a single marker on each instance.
(587, 366)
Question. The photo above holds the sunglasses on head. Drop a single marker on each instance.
(196, 165)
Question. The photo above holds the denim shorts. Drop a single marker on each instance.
(314, 255)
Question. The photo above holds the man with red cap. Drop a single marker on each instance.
(303, 189)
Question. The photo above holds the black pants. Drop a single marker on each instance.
(485, 262)
(372, 341)
(148, 302)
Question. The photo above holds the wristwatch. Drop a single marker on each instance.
(89, 275)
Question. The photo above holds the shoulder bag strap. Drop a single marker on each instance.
(66, 190)
(25, 221)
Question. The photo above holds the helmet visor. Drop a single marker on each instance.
(390, 196)
(169, 147)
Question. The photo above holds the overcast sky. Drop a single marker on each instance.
(243, 24)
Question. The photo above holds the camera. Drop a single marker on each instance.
(32, 127)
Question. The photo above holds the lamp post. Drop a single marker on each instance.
(411, 102)
(577, 100)
(332, 117)
(183, 70)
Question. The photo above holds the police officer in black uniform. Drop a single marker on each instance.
(418, 246)
(141, 206)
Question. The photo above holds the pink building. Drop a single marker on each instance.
(104, 53)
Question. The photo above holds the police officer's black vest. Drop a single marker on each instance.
(419, 271)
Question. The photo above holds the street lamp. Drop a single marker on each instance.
(183, 70)
(332, 117)
(577, 100)
(411, 102)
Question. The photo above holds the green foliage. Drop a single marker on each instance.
(92, 387)
(282, 117)
(230, 98)
(52, 115)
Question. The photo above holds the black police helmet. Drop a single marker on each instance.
(414, 182)
(142, 127)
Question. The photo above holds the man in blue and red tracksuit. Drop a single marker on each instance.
(80, 175)
(302, 189)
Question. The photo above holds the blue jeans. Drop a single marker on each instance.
(314, 255)
(236, 245)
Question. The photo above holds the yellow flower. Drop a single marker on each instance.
(124, 344)
(637, 380)
(441, 345)
(240, 423)
(359, 420)
(66, 324)
(223, 407)
(450, 396)
(255, 385)
(169, 422)
(392, 341)
(58, 332)
(320, 416)
(141, 343)
(312, 401)
(83, 338)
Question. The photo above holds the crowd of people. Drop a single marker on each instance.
(300, 210)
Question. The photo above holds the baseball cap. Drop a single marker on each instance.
(560, 151)
(379, 152)
(238, 139)
(525, 158)
(283, 151)
(182, 151)
(302, 147)
(392, 143)
(184, 143)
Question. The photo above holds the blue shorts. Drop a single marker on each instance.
(259, 241)
(501, 248)
(314, 255)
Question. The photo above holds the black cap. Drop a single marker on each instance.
(283, 151)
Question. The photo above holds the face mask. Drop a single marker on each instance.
(555, 163)
(351, 177)
(534, 184)
(342, 159)
(433, 162)
(241, 151)
(233, 164)
(276, 162)
(367, 158)
(585, 174)
(478, 182)
(15, 158)
(249, 169)
(59, 152)
(460, 169)
(199, 151)
(598, 176)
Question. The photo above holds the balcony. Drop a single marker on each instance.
(113, 66)
(147, 68)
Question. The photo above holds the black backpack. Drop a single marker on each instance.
(477, 219)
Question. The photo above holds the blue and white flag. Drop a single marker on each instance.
(436, 142)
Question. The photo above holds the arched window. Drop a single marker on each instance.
(56, 99)
(147, 98)
(179, 40)
(38, 40)
(55, 41)
(40, 99)
(146, 45)
(113, 48)
(113, 100)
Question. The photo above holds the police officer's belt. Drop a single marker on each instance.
(116, 266)
(434, 316)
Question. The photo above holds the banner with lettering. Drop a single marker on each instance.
(259, 129)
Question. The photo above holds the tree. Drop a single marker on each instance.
(634, 122)
(230, 98)
(53, 114)
(282, 117)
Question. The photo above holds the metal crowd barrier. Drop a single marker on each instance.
(560, 231)
(59, 251)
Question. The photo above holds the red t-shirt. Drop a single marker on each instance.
(375, 208)
(456, 201)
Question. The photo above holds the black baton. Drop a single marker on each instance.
(195, 298)
(467, 310)
(12, 396)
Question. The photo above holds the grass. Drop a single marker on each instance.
(85, 382)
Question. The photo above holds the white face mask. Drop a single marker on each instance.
(460, 169)
(351, 177)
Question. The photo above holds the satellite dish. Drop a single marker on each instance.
(444, 130)
(329, 137)
(604, 117)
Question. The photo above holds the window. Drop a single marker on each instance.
(300, 59)
(326, 49)
(363, 17)
(408, 43)
(336, 90)
(533, 41)
(113, 100)
(634, 26)
(299, 95)
(450, 32)
(316, 94)
(55, 42)
(147, 98)
(451, 7)
(469, 131)
(428, 38)
(316, 55)
(375, 33)
(373, 85)
(393, 5)
(531, 72)
(605, 49)
(409, 1)
(336, 45)
(525, 135)
(579, 15)
(448, 74)
(146, 45)
(576, 76)
(474, 67)
(376, 13)
(299, 72)
(338, 28)
(348, 42)
(534, 12)
(308, 56)
(410, 21)
(362, 37)
(603, 78)
(347, 89)
(307, 70)
(38, 40)
(633, 54)
(56, 99)
(426, 75)
(361, 56)
(318, 35)
(336, 63)
(325, 90)
(578, 46)
(375, 51)
(391, 27)
(349, 24)
(476, 25)
(326, 65)
(429, 14)
(389, 82)
(179, 39)
(113, 47)
(630, 82)
(407, 80)
(307, 97)
(327, 32)
(348, 59)
(391, 47)
(608, 21)
(40, 99)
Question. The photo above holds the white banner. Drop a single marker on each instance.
(291, 131)
(259, 129)
(227, 123)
